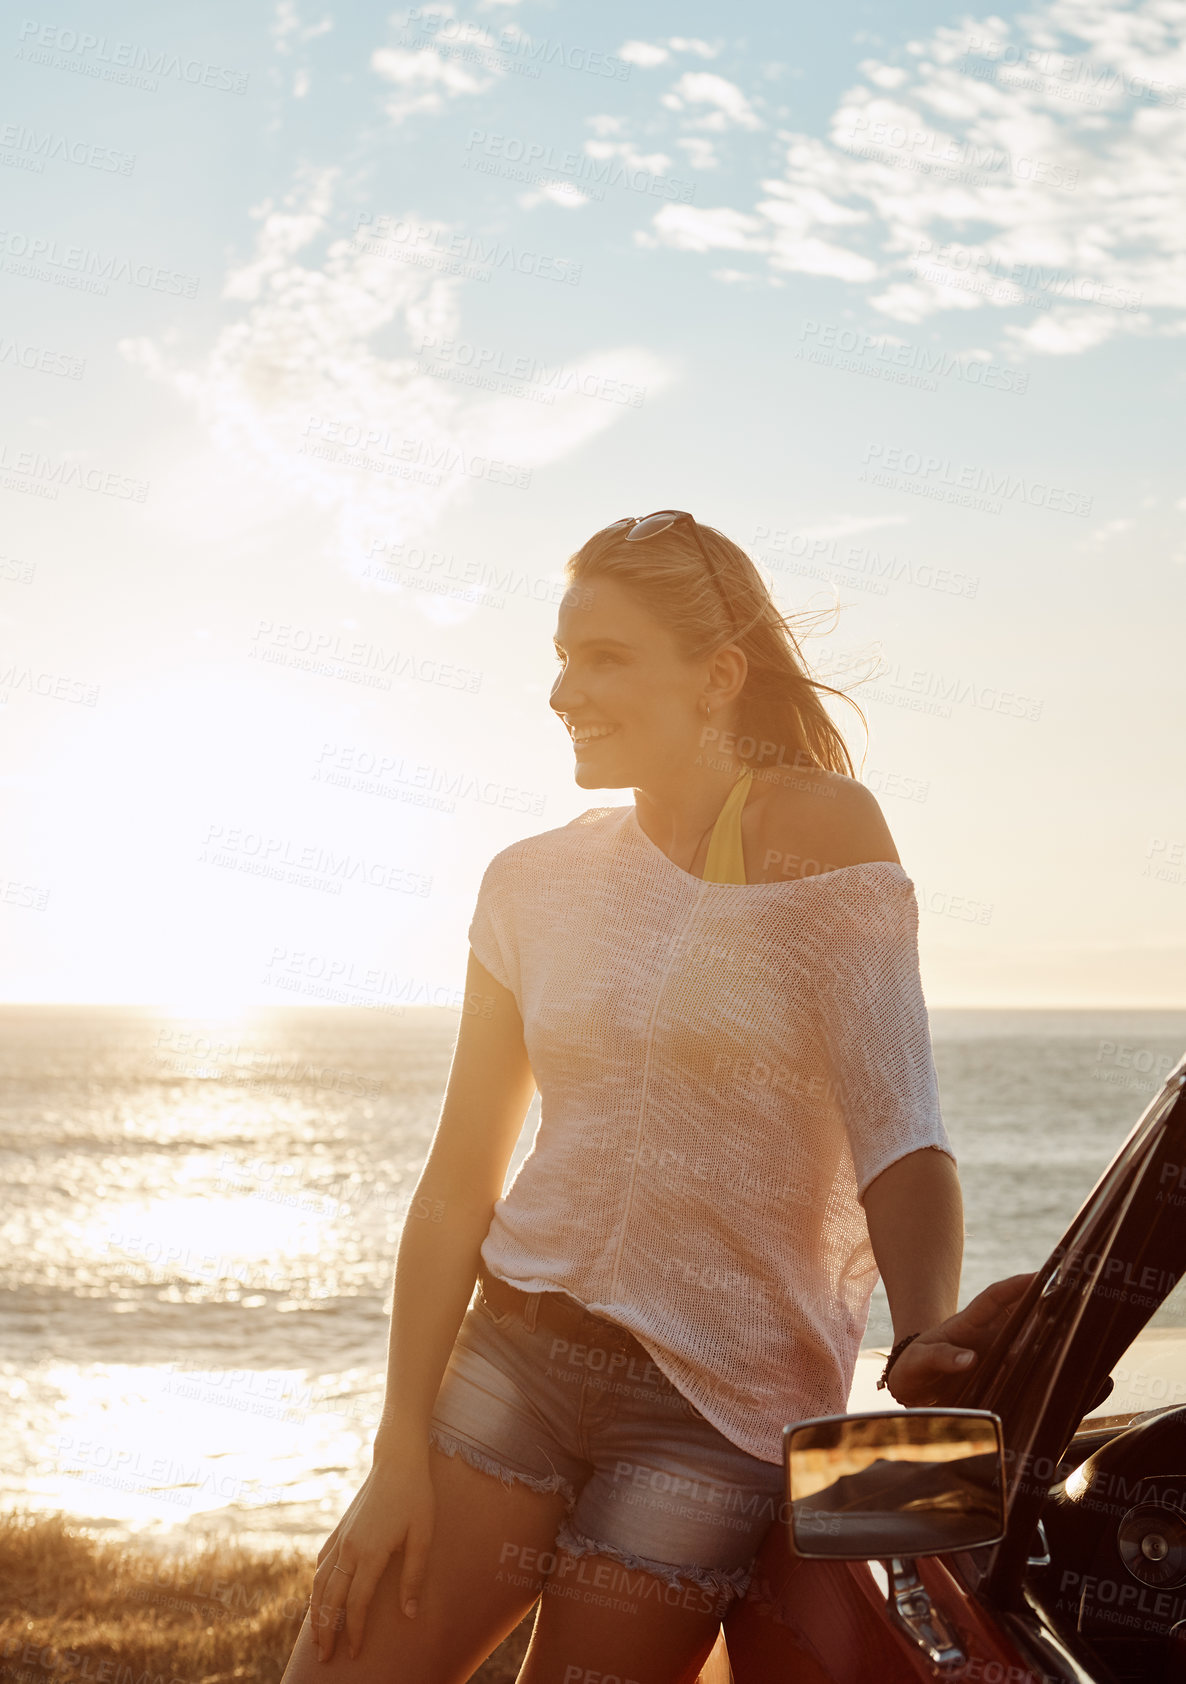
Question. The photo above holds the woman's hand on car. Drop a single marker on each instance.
(930, 1368)
(393, 1509)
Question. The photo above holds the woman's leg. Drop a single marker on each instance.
(599, 1619)
(481, 1578)
(790, 1601)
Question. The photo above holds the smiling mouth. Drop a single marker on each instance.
(600, 736)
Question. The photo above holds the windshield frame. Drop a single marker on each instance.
(1120, 1258)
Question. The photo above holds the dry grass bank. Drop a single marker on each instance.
(74, 1610)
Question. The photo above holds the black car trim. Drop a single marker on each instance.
(1067, 1318)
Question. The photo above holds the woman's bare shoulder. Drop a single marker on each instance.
(817, 820)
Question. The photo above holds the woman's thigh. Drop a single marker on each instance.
(791, 1601)
(637, 1633)
(481, 1578)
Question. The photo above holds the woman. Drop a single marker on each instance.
(716, 990)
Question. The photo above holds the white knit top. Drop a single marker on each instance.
(723, 1069)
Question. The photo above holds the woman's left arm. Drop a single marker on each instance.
(915, 1216)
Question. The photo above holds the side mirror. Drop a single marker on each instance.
(903, 1483)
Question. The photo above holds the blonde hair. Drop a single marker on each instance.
(780, 706)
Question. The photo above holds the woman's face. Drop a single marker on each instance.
(622, 680)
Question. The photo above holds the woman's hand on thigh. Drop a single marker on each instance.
(393, 1509)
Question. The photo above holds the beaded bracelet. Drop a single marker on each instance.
(883, 1383)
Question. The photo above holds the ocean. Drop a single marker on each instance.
(200, 1220)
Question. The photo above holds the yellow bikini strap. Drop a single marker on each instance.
(726, 858)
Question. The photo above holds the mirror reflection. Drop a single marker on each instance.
(916, 1482)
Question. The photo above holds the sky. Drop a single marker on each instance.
(330, 334)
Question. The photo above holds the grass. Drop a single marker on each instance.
(80, 1610)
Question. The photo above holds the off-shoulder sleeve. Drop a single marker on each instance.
(875, 1024)
(492, 927)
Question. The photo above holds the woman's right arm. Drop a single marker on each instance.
(489, 1088)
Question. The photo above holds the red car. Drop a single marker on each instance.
(1004, 1540)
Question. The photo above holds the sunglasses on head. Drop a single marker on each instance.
(661, 521)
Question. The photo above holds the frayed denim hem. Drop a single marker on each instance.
(725, 1582)
(448, 1445)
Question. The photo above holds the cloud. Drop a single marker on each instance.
(1110, 529)
(1067, 332)
(845, 525)
(282, 233)
(690, 229)
(780, 230)
(648, 54)
(563, 193)
(883, 75)
(702, 154)
(652, 163)
(425, 79)
(1035, 167)
(380, 444)
(735, 277)
(288, 31)
(728, 106)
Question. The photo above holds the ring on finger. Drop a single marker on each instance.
(336, 1569)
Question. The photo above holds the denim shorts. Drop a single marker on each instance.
(647, 1481)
